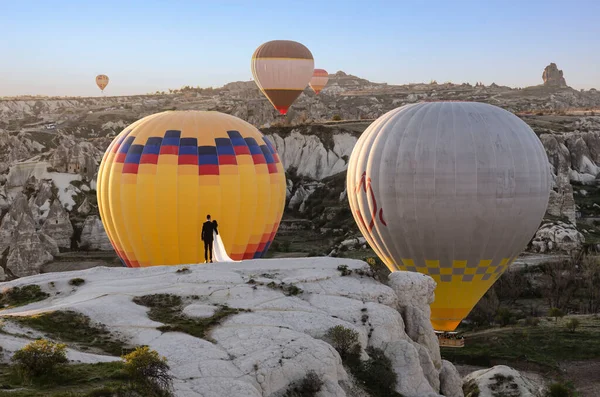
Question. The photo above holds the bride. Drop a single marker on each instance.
(219, 253)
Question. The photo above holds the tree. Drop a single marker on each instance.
(556, 313)
(485, 311)
(511, 286)
(560, 281)
(40, 357)
(590, 277)
(149, 370)
(572, 324)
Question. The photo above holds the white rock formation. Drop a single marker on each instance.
(450, 381)
(276, 342)
(501, 381)
(308, 155)
(415, 294)
(557, 236)
(93, 235)
(58, 225)
(27, 253)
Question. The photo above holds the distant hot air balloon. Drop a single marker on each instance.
(102, 81)
(454, 190)
(163, 174)
(282, 69)
(319, 80)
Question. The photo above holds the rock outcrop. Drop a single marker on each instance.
(553, 77)
(27, 249)
(276, 339)
(557, 236)
(450, 381)
(27, 253)
(312, 157)
(501, 381)
(93, 235)
(76, 158)
(58, 225)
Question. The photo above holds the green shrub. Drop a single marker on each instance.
(561, 390)
(76, 281)
(309, 386)
(344, 340)
(148, 369)
(344, 270)
(572, 324)
(377, 374)
(19, 296)
(336, 117)
(40, 357)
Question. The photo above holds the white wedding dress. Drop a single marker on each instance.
(219, 254)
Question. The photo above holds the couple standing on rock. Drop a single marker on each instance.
(213, 243)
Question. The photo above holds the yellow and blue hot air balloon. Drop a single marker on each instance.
(163, 174)
(454, 190)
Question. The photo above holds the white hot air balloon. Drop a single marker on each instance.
(454, 190)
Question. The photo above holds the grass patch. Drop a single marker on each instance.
(546, 345)
(81, 380)
(69, 326)
(76, 281)
(167, 309)
(287, 289)
(20, 296)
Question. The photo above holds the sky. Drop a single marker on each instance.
(57, 47)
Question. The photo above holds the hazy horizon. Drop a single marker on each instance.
(145, 46)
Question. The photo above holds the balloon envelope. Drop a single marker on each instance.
(454, 190)
(163, 174)
(282, 69)
(319, 80)
(102, 81)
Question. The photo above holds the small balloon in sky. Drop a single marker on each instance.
(282, 69)
(102, 81)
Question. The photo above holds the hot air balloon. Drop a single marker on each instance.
(163, 174)
(102, 81)
(454, 190)
(282, 69)
(319, 80)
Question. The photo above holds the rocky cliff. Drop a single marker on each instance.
(286, 308)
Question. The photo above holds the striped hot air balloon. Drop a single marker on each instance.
(102, 81)
(282, 69)
(454, 190)
(319, 80)
(163, 174)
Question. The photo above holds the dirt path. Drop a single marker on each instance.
(585, 375)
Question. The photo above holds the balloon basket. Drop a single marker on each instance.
(450, 339)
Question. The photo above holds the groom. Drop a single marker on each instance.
(207, 237)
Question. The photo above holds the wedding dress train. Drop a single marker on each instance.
(219, 254)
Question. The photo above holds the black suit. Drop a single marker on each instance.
(207, 237)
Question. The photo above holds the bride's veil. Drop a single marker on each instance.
(219, 253)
